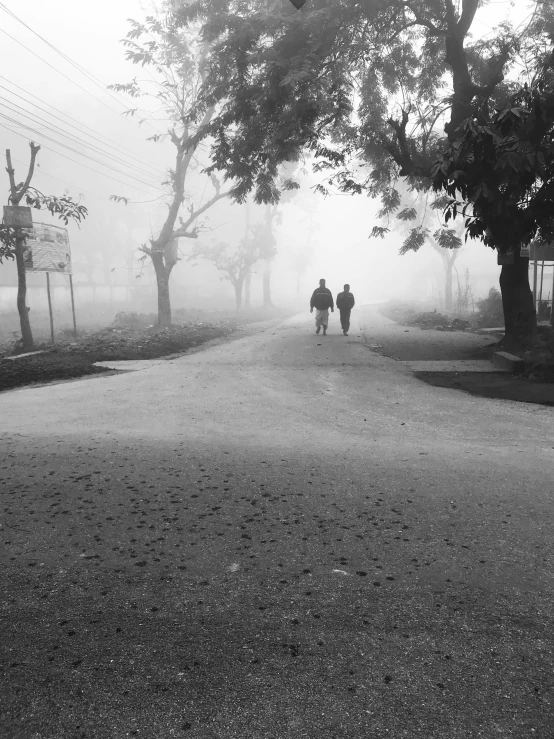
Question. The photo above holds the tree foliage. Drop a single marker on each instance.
(375, 91)
(234, 262)
(63, 207)
(370, 83)
(176, 60)
(499, 173)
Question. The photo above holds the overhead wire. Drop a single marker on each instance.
(66, 146)
(56, 129)
(97, 136)
(91, 77)
(61, 154)
(85, 190)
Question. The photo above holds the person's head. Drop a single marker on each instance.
(347, 288)
(322, 283)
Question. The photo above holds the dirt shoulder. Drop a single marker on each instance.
(412, 343)
(124, 341)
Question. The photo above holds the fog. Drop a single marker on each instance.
(316, 237)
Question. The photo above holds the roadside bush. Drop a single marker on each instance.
(135, 321)
(489, 310)
(398, 311)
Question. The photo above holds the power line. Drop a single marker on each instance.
(66, 146)
(56, 129)
(39, 172)
(57, 70)
(59, 153)
(104, 140)
(92, 78)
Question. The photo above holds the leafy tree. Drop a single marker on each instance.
(502, 164)
(426, 213)
(273, 217)
(12, 240)
(235, 264)
(372, 91)
(176, 59)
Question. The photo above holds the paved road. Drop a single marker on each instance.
(284, 535)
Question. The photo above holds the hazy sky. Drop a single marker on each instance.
(89, 34)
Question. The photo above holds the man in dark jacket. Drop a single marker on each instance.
(322, 300)
(345, 303)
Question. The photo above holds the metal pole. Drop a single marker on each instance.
(552, 299)
(542, 278)
(73, 305)
(535, 273)
(50, 307)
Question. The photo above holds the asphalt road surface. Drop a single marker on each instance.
(279, 536)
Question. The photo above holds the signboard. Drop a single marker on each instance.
(543, 251)
(525, 251)
(47, 249)
(506, 257)
(18, 216)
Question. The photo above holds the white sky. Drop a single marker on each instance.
(89, 33)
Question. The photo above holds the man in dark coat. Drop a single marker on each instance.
(345, 303)
(322, 300)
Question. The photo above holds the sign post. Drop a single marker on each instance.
(535, 278)
(72, 304)
(18, 216)
(50, 307)
(47, 250)
(552, 300)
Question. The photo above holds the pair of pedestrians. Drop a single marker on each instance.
(322, 301)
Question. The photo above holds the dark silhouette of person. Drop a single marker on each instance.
(322, 300)
(345, 303)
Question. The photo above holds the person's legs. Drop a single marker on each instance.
(346, 326)
(324, 320)
(345, 321)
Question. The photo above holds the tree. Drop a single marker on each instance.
(273, 217)
(12, 240)
(352, 84)
(431, 229)
(234, 264)
(268, 248)
(502, 164)
(178, 60)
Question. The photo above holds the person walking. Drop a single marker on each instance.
(322, 300)
(345, 303)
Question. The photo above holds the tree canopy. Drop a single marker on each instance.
(372, 91)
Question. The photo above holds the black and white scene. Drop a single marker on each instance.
(277, 369)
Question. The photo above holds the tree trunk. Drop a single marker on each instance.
(26, 333)
(520, 317)
(238, 294)
(162, 280)
(247, 281)
(267, 284)
(448, 299)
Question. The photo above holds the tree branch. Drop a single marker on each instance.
(469, 8)
(35, 148)
(183, 231)
(419, 21)
(11, 174)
